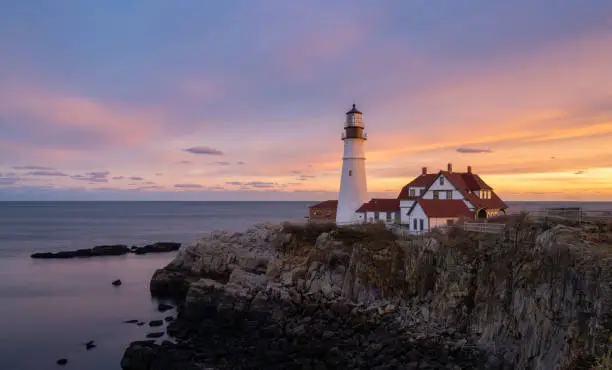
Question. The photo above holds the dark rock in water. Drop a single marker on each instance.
(158, 334)
(117, 282)
(62, 361)
(130, 321)
(110, 250)
(169, 318)
(162, 307)
(155, 323)
(141, 323)
(159, 247)
(89, 345)
(100, 250)
(42, 255)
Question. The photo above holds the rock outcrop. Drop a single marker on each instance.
(285, 297)
(110, 250)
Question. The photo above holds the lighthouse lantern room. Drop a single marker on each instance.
(353, 189)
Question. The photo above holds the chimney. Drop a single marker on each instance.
(450, 167)
(424, 170)
(469, 169)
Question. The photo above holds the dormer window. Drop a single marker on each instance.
(441, 180)
(412, 192)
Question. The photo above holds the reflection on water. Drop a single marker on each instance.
(49, 308)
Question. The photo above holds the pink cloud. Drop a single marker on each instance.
(114, 123)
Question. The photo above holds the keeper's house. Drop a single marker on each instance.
(430, 200)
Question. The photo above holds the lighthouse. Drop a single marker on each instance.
(353, 189)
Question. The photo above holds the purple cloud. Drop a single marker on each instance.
(305, 177)
(259, 184)
(188, 186)
(222, 163)
(9, 180)
(92, 177)
(203, 150)
(233, 183)
(35, 168)
(473, 150)
(118, 178)
(135, 178)
(184, 162)
(241, 163)
(46, 173)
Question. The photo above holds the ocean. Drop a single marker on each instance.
(50, 308)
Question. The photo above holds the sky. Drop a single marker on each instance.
(245, 100)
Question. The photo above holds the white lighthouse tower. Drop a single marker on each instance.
(353, 188)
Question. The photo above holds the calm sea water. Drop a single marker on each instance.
(49, 308)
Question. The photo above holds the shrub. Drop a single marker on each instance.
(364, 233)
(308, 232)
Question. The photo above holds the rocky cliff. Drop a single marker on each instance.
(537, 297)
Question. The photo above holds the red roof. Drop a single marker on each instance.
(444, 208)
(466, 183)
(421, 181)
(326, 204)
(380, 205)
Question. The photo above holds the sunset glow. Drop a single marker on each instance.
(102, 101)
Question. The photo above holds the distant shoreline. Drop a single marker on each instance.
(273, 201)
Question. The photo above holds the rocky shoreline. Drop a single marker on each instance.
(110, 250)
(317, 297)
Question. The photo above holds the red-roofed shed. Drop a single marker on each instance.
(324, 211)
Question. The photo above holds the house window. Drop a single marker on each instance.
(414, 224)
(422, 192)
(376, 216)
(421, 222)
(436, 194)
(350, 172)
(441, 180)
(449, 194)
(412, 192)
(389, 214)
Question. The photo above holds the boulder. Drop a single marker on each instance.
(169, 283)
(154, 323)
(62, 361)
(163, 307)
(116, 282)
(157, 334)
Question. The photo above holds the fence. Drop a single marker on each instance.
(484, 227)
(575, 214)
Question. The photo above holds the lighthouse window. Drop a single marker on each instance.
(350, 172)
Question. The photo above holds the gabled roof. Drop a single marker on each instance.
(421, 181)
(466, 183)
(444, 208)
(326, 204)
(380, 205)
